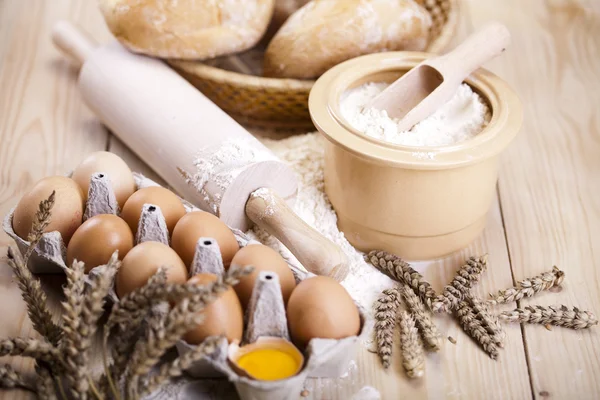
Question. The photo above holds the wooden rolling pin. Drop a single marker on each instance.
(194, 146)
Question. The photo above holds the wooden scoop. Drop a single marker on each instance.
(421, 91)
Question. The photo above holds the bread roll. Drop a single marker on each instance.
(283, 9)
(324, 33)
(187, 29)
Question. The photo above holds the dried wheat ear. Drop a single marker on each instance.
(473, 313)
(386, 317)
(62, 354)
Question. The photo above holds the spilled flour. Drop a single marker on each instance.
(220, 165)
(305, 155)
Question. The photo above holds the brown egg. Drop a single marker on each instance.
(113, 166)
(66, 214)
(320, 307)
(262, 258)
(96, 239)
(199, 224)
(143, 261)
(170, 206)
(224, 316)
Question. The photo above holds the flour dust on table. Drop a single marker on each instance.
(305, 155)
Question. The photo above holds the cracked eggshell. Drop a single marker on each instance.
(264, 367)
(118, 172)
(67, 212)
(197, 224)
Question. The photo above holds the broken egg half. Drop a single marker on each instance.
(267, 359)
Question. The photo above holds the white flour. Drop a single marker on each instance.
(461, 118)
(367, 393)
(304, 154)
(220, 165)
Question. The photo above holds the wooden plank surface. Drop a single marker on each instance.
(44, 127)
(549, 181)
(548, 210)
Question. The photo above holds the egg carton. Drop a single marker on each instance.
(266, 318)
(326, 358)
(50, 255)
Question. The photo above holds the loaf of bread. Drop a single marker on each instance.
(324, 33)
(187, 29)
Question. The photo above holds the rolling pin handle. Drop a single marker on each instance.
(72, 41)
(315, 252)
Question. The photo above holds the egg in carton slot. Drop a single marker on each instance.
(266, 327)
(50, 255)
(321, 357)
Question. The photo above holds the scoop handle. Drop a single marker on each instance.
(478, 48)
(316, 253)
(72, 41)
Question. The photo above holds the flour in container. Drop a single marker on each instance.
(305, 155)
(460, 119)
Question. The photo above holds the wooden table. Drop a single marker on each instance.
(547, 210)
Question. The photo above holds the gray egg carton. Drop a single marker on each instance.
(50, 256)
(266, 317)
(324, 358)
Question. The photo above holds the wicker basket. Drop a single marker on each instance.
(282, 103)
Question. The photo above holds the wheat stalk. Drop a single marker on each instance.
(472, 326)
(95, 292)
(462, 282)
(35, 298)
(386, 316)
(45, 383)
(40, 223)
(133, 306)
(429, 332)
(179, 321)
(127, 315)
(413, 357)
(529, 287)
(10, 379)
(39, 349)
(559, 315)
(176, 367)
(399, 270)
(163, 330)
(71, 345)
(488, 320)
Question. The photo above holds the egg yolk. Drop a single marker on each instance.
(269, 364)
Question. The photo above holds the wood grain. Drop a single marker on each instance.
(44, 127)
(549, 186)
(548, 210)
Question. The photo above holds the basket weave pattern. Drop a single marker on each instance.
(283, 103)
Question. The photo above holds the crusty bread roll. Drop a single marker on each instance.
(324, 33)
(187, 29)
(283, 9)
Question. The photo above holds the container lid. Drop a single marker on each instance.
(324, 107)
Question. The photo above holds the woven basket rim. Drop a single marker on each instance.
(217, 74)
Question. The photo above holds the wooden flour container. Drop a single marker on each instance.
(417, 202)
